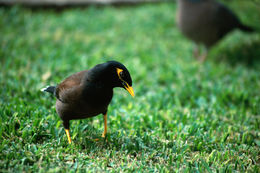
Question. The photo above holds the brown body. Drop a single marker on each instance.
(206, 21)
(78, 99)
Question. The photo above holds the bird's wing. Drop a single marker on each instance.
(70, 89)
(225, 19)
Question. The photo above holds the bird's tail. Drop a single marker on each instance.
(246, 28)
(50, 89)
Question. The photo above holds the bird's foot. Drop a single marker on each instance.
(102, 137)
(99, 139)
(196, 52)
(202, 57)
(200, 53)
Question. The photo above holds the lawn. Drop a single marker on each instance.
(186, 116)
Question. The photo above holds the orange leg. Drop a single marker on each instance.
(68, 135)
(105, 126)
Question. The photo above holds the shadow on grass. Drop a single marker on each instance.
(132, 145)
(141, 142)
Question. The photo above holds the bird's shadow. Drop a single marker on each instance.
(133, 145)
(241, 53)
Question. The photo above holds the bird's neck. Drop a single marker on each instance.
(99, 76)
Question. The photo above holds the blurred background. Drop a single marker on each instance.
(186, 116)
(75, 2)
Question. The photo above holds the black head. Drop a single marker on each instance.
(112, 74)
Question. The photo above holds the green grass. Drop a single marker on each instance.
(186, 116)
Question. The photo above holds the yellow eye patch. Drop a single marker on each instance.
(118, 70)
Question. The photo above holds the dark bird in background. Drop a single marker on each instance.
(206, 22)
(88, 93)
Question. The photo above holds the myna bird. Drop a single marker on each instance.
(88, 93)
(206, 22)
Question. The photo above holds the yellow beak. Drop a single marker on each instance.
(130, 90)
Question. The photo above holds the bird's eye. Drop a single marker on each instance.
(121, 74)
